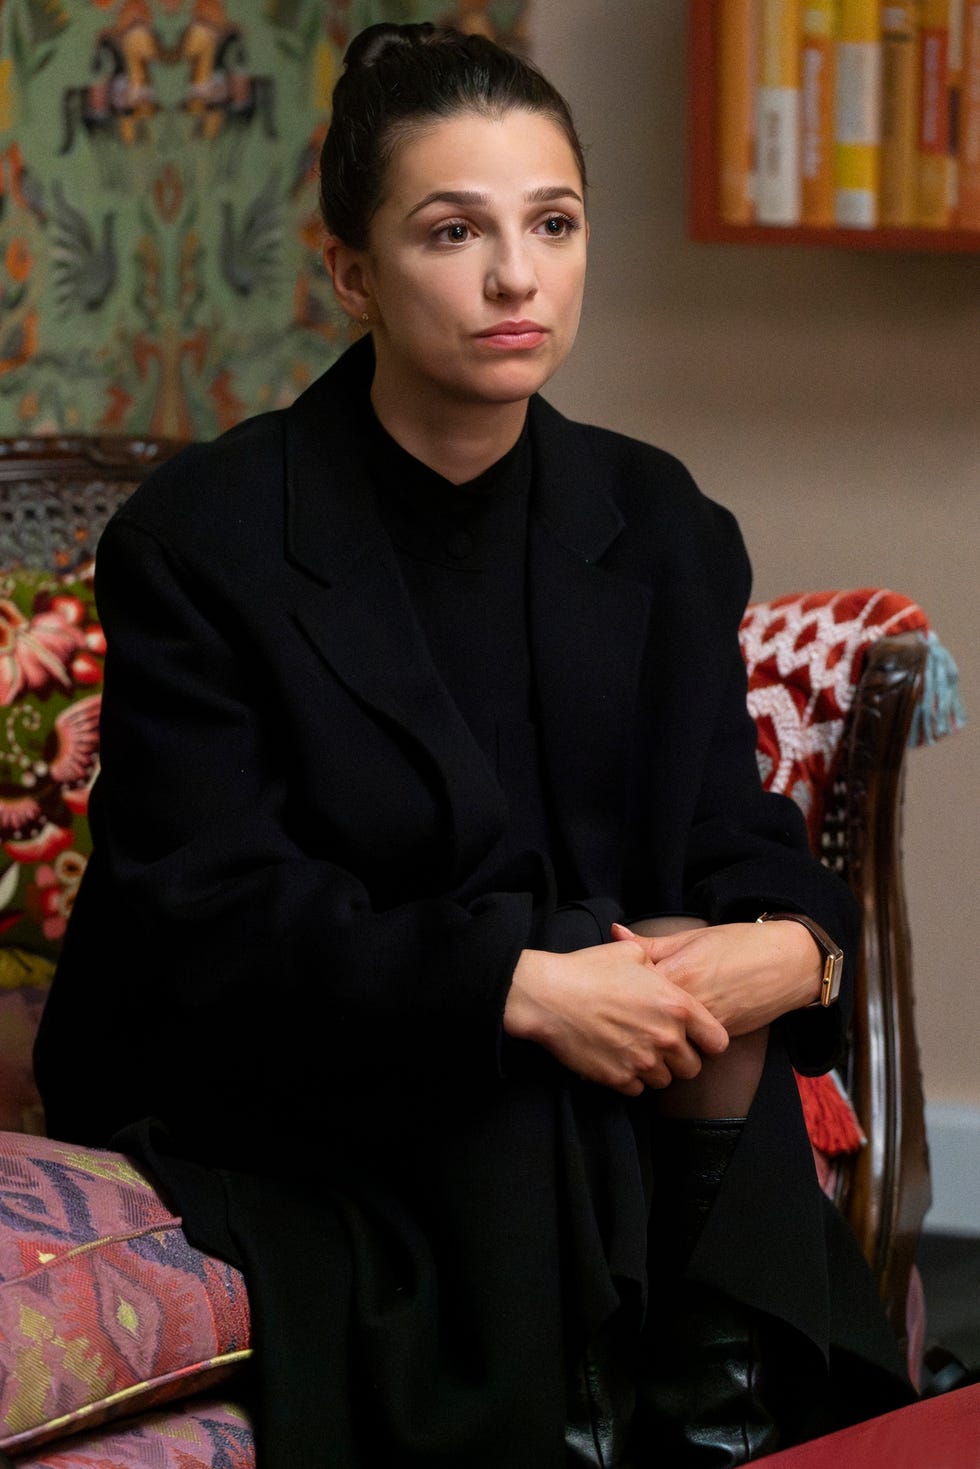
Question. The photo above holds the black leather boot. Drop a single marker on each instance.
(705, 1395)
(601, 1404)
(690, 1159)
(707, 1398)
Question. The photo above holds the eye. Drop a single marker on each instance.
(558, 226)
(457, 232)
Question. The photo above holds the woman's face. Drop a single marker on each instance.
(476, 259)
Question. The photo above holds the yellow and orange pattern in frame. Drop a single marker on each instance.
(159, 242)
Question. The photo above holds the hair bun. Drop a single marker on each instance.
(368, 47)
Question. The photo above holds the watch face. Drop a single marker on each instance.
(833, 969)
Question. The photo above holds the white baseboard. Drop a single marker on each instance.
(954, 1152)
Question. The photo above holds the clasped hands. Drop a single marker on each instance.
(643, 1011)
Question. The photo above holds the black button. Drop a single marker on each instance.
(460, 544)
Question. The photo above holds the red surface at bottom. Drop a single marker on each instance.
(941, 1433)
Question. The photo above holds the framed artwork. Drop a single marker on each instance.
(160, 266)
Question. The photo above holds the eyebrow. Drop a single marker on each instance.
(547, 194)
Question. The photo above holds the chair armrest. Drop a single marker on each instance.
(886, 1192)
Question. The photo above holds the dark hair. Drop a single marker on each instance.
(398, 76)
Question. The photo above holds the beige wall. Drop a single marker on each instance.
(830, 398)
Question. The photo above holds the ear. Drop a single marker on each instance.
(347, 270)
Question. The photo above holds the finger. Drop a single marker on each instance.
(656, 946)
(622, 934)
(646, 941)
(704, 1031)
(657, 1078)
(666, 945)
(683, 1063)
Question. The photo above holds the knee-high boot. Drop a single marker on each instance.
(715, 1381)
(601, 1404)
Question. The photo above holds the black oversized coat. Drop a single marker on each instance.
(279, 953)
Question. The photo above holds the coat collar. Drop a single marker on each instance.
(330, 515)
(587, 626)
(330, 519)
(358, 615)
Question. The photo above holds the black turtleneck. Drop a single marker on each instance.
(462, 552)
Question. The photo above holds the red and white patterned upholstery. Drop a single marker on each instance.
(804, 657)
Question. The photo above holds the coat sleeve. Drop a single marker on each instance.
(748, 850)
(208, 935)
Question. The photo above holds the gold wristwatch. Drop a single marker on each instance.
(833, 954)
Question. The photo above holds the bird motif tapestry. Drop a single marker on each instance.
(160, 266)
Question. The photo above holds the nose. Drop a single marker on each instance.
(511, 274)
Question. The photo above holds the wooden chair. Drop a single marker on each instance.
(57, 494)
(885, 1191)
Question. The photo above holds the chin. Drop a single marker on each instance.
(507, 382)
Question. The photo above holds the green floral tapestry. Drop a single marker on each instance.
(160, 264)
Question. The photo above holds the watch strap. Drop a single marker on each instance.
(833, 954)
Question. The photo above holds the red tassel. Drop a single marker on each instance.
(831, 1121)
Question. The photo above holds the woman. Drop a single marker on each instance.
(416, 693)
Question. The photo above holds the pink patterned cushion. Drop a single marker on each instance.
(105, 1309)
(804, 657)
(205, 1434)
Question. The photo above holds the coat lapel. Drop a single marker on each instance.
(358, 614)
(588, 632)
(587, 624)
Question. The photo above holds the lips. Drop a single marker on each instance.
(513, 336)
(513, 329)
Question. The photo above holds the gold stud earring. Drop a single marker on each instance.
(365, 317)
